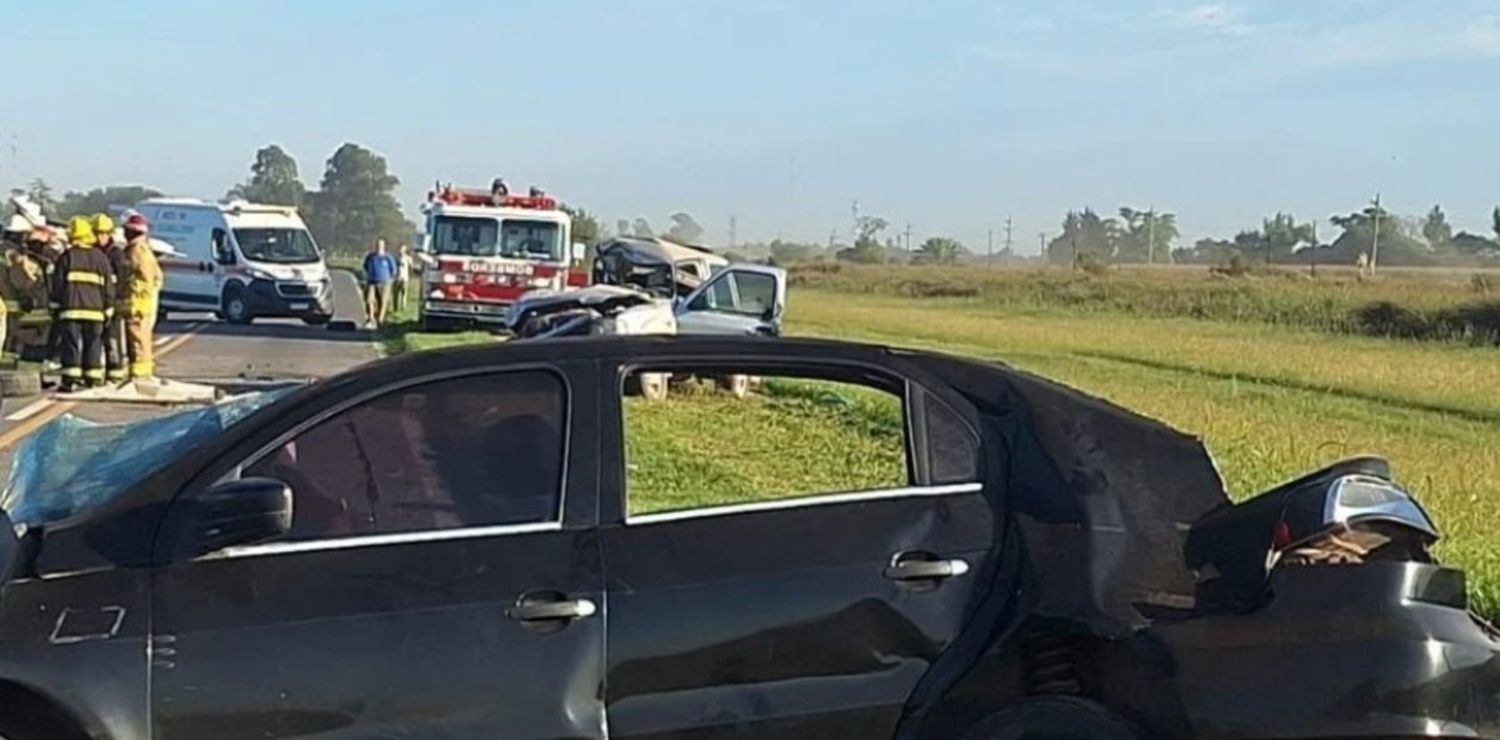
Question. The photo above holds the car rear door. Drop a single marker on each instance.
(441, 579)
(738, 612)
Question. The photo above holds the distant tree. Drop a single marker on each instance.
(1282, 234)
(642, 228)
(940, 250)
(586, 227)
(784, 253)
(867, 247)
(356, 202)
(1470, 245)
(1495, 222)
(1084, 233)
(42, 195)
(1436, 229)
(685, 230)
(101, 200)
(1206, 252)
(1148, 236)
(273, 179)
(1397, 247)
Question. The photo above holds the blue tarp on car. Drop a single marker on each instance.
(72, 464)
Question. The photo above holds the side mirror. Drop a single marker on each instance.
(241, 512)
(580, 251)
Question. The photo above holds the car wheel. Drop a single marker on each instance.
(436, 325)
(25, 722)
(654, 386)
(236, 309)
(1054, 718)
(738, 385)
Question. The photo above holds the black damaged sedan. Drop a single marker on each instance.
(510, 542)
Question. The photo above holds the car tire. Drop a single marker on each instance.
(654, 386)
(1054, 718)
(236, 308)
(24, 722)
(435, 325)
(737, 385)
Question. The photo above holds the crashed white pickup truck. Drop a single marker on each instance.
(739, 299)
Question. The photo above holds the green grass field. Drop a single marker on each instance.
(1271, 400)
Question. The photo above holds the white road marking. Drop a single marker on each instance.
(29, 410)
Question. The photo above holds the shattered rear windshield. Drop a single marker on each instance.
(73, 464)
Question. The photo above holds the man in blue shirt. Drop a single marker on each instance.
(380, 272)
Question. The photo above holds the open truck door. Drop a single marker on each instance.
(740, 299)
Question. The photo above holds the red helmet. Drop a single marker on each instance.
(136, 222)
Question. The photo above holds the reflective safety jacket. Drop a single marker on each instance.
(140, 280)
(83, 285)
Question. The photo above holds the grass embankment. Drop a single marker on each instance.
(1427, 305)
(1270, 403)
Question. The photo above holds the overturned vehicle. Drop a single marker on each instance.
(374, 554)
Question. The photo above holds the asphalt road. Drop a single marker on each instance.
(201, 349)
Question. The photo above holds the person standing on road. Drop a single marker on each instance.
(405, 266)
(380, 271)
(83, 294)
(114, 328)
(140, 288)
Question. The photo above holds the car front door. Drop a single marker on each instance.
(431, 584)
(737, 300)
(769, 573)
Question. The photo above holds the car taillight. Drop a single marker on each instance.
(1351, 519)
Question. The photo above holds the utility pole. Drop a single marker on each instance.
(833, 238)
(1008, 225)
(1313, 263)
(732, 231)
(1375, 240)
(907, 238)
(989, 247)
(1041, 246)
(1151, 235)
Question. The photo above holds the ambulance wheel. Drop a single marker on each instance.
(20, 383)
(236, 308)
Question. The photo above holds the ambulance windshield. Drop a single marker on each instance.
(279, 246)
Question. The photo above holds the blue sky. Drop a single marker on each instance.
(946, 114)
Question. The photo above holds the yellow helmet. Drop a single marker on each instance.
(80, 230)
(103, 224)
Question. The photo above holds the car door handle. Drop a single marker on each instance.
(549, 607)
(917, 568)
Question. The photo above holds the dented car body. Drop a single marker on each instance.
(1050, 551)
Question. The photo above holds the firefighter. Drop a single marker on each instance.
(114, 328)
(24, 281)
(83, 293)
(140, 288)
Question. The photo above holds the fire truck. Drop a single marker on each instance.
(481, 250)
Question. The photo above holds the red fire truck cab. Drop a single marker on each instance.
(480, 251)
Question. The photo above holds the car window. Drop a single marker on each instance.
(473, 451)
(953, 450)
(748, 293)
(717, 439)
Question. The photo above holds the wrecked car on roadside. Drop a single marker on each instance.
(442, 544)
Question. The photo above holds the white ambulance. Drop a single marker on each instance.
(239, 260)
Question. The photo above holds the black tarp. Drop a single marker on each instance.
(1094, 503)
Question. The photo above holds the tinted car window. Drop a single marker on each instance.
(784, 437)
(952, 448)
(473, 451)
(739, 292)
